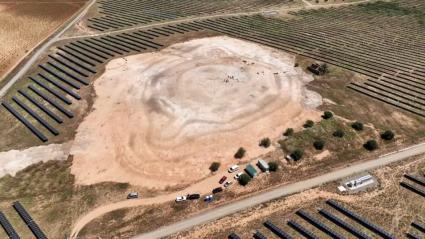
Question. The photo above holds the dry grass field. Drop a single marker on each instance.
(24, 24)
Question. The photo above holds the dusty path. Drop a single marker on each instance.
(54, 38)
(280, 192)
(245, 203)
(308, 5)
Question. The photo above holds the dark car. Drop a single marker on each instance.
(217, 190)
(193, 196)
(222, 180)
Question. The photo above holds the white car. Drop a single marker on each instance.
(208, 198)
(234, 168)
(227, 184)
(238, 175)
(180, 198)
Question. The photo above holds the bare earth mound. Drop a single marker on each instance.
(161, 118)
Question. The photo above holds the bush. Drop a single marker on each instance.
(319, 144)
(273, 166)
(308, 124)
(244, 179)
(327, 115)
(214, 166)
(297, 154)
(387, 135)
(338, 133)
(240, 153)
(288, 132)
(371, 145)
(265, 143)
(358, 126)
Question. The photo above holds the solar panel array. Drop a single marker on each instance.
(341, 223)
(302, 230)
(10, 231)
(418, 185)
(119, 14)
(360, 220)
(233, 236)
(319, 225)
(276, 230)
(45, 100)
(38, 233)
(259, 235)
(419, 226)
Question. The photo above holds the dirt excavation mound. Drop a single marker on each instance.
(161, 118)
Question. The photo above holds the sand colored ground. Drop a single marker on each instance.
(161, 118)
(23, 24)
(15, 160)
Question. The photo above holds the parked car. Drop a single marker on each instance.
(133, 195)
(222, 180)
(180, 198)
(227, 184)
(193, 196)
(238, 175)
(217, 190)
(209, 198)
(234, 168)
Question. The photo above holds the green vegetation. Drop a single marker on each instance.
(393, 9)
(288, 132)
(308, 124)
(297, 154)
(244, 179)
(358, 126)
(266, 142)
(371, 145)
(214, 166)
(388, 135)
(338, 133)
(319, 144)
(327, 115)
(273, 166)
(240, 153)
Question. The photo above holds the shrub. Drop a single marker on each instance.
(273, 166)
(358, 126)
(297, 154)
(338, 133)
(265, 143)
(327, 115)
(296, 64)
(214, 166)
(288, 132)
(308, 124)
(387, 135)
(244, 179)
(371, 145)
(319, 144)
(240, 153)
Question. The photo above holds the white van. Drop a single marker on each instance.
(234, 168)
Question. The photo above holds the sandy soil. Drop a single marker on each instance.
(161, 118)
(15, 160)
(24, 24)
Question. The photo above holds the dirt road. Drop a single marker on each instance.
(245, 203)
(282, 191)
(55, 37)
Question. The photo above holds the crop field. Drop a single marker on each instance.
(24, 24)
(128, 13)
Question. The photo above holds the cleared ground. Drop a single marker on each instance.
(23, 24)
(160, 118)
